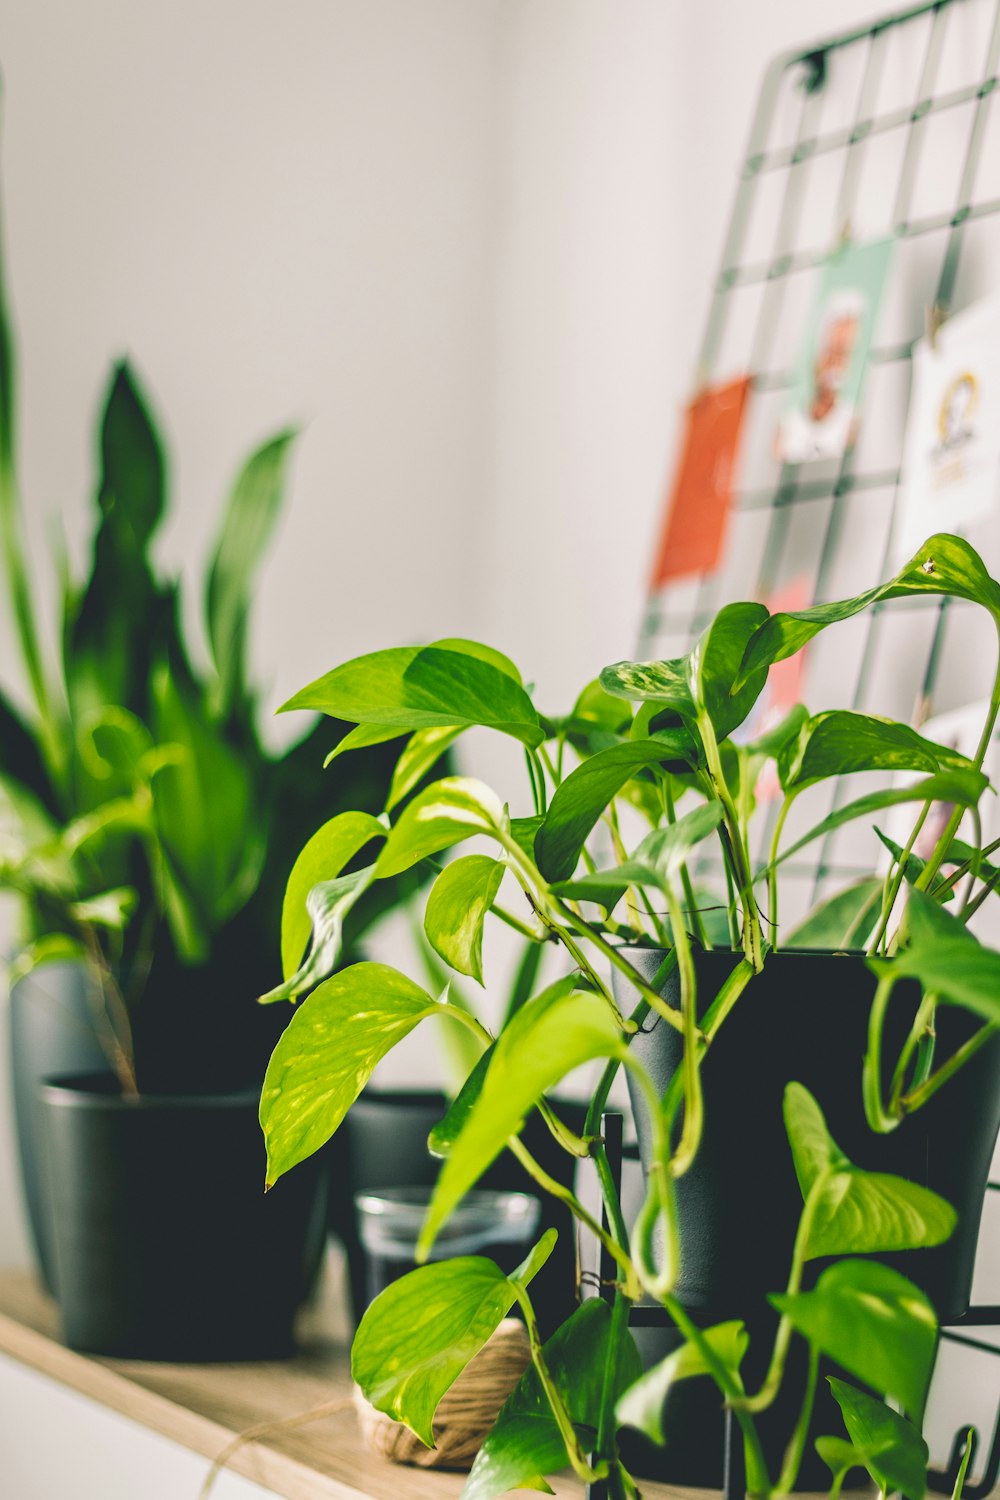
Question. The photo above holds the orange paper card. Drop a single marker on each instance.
(700, 500)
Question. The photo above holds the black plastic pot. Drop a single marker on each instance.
(51, 1031)
(165, 1246)
(804, 1018)
(383, 1144)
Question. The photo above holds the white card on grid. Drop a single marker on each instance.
(951, 455)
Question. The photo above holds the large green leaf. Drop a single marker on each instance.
(943, 565)
(418, 1335)
(456, 911)
(445, 813)
(110, 629)
(548, 1037)
(413, 687)
(327, 906)
(322, 858)
(875, 1323)
(889, 1446)
(705, 678)
(857, 1212)
(947, 960)
(205, 804)
(839, 743)
(421, 753)
(844, 920)
(254, 505)
(961, 786)
(580, 800)
(327, 1053)
(642, 1404)
(525, 1443)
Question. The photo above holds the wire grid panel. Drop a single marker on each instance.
(890, 129)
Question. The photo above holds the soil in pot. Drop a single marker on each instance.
(165, 1245)
(804, 1018)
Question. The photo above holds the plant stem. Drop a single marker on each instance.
(689, 896)
(534, 934)
(615, 958)
(560, 1131)
(796, 1447)
(919, 1096)
(752, 936)
(772, 867)
(694, 1109)
(575, 1454)
(922, 1023)
(894, 879)
(567, 1196)
(776, 1369)
(758, 1480)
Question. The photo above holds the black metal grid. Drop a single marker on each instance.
(802, 121)
(939, 209)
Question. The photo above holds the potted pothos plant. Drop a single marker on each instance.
(146, 834)
(799, 1112)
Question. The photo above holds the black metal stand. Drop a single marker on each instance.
(942, 1482)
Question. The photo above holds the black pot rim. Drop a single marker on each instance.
(102, 1092)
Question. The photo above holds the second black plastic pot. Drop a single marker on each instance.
(804, 1018)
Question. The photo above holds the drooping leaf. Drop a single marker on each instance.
(944, 565)
(456, 911)
(419, 1334)
(579, 801)
(960, 786)
(839, 1455)
(947, 959)
(525, 1443)
(839, 743)
(421, 753)
(446, 1132)
(813, 1148)
(550, 1036)
(874, 1323)
(858, 1212)
(327, 1053)
(642, 1404)
(446, 812)
(254, 505)
(890, 1447)
(414, 687)
(843, 920)
(323, 858)
(327, 905)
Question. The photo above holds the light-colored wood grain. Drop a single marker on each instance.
(203, 1407)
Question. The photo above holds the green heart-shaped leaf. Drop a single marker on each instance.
(525, 1443)
(890, 1447)
(418, 1335)
(456, 911)
(839, 743)
(642, 1404)
(327, 904)
(875, 1323)
(813, 1148)
(551, 1035)
(445, 813)
(962, 786)
(327, 1053)
(581, 799)
(947, 960)
(454, 684)
(943, 565)
(322, 858)
(421, 753)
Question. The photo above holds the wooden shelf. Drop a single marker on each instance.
(203, 1407)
